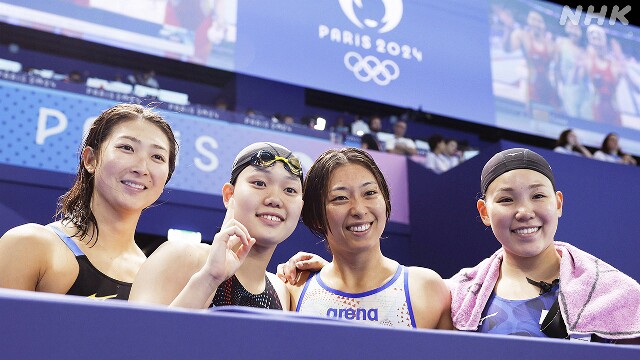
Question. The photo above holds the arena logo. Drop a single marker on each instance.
(380, 68)
(391, 18)
(353, 313)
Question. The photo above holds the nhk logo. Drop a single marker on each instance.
(575, 16)
(387, 22)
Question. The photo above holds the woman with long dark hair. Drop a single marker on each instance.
(127, 157)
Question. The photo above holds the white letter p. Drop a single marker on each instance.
(42, 132)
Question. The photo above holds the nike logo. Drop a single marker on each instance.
(101, 298)
(486, 317)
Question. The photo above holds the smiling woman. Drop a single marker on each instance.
(533, 285)
(263, 200)
(347, 203)
(124, 166)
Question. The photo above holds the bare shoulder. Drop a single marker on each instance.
(33, 257)
(281, 289)
(277, 283)
(427, 284)
(295, 290)
(425, 277)
(29, 235)
(34, 240)
(430, 298)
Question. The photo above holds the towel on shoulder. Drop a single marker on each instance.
(595, 297)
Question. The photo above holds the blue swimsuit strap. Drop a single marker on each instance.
(67, 240)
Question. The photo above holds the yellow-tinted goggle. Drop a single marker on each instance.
(265, 158)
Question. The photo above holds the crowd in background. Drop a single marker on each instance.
(391, 134)
(609, 151)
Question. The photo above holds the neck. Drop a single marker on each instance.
(543, 267)
(117, 230)
(359, 272)
(252, 271)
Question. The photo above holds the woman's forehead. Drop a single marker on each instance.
(351, 171)
(519, 178)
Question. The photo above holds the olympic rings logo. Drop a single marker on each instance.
(370, 68)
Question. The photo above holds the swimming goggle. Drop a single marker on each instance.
(266, 158)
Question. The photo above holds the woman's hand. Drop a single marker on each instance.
(229, 248)
(290, 271)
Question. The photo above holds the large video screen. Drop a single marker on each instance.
(551, 72)
(512, 64)
(197, 31)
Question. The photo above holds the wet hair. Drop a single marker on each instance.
(75, 205)
(563, 139)
(316, 185)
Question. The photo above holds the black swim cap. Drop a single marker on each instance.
(513, 159)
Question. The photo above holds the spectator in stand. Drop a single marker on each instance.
(359, 127)
(453, 154)
(370, 140)
(76, 77)
(288, 119)
(310, 121)
(400, 144)
(147, 78)
(340, 127)
(437, 159)
(221, 104)
(568, 144)
(610, 152)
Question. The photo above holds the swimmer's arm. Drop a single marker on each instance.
(430, 299)
(24, 257)
(166, 272)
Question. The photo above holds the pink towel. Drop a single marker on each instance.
(595, 298)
